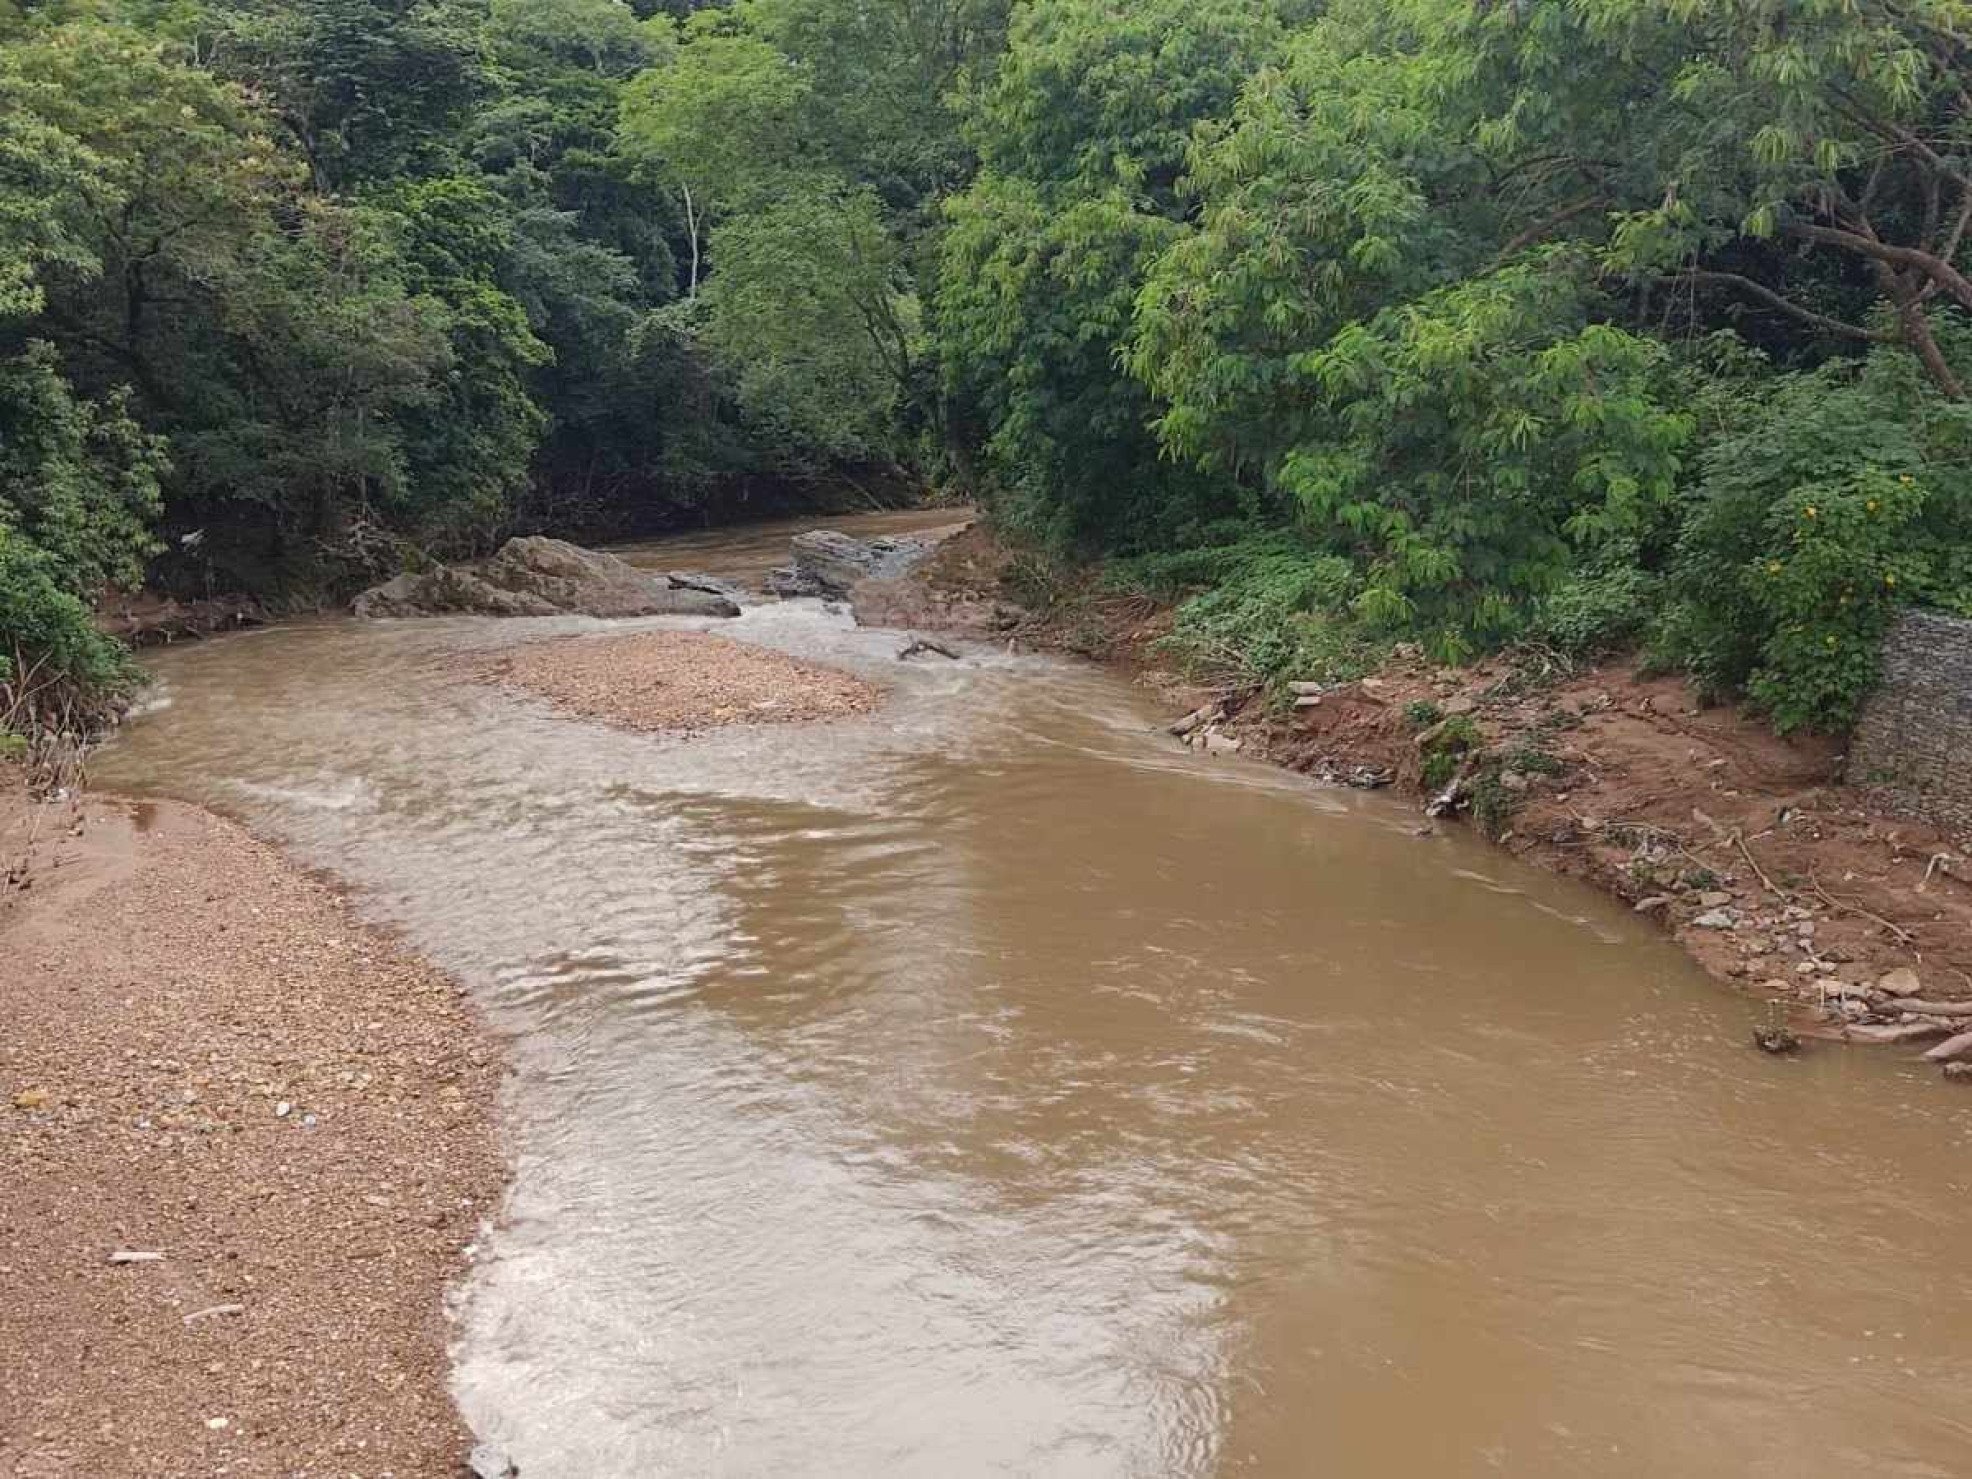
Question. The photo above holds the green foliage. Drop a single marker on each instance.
(1082, 134)
(369, 89)
(1438, 769)
(78, 485)
(1421, 713)
(1833, 502)
(1563, 324)
(467, 443)
(812, 310)
(49, 628)
(1597, 612)
(78, 480)
(1491, 804)
(1271, 615)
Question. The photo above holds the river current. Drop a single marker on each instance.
(992, 1087)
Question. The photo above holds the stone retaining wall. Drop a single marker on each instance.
(1914, 744)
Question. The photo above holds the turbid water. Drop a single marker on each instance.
(990, 1087)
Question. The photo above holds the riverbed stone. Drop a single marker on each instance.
(538, 576)
(827, 563)
(1715, 919)
(1902, 981)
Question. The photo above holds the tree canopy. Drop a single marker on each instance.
(1466, 322)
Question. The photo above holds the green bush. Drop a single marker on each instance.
(1596, 613)
(78, 487)
(1421, 713)
(1275, 614)
(48, 629)
(1831, 505)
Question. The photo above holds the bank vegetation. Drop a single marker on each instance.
(1593, 324)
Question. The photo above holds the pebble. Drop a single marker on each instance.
(1902, 981)
(489, 1462)
(1716, 919)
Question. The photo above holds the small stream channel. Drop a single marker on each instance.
(990, 1087)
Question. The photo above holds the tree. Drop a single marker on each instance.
(1082, 136)
(369, 89)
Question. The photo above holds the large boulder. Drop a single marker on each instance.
(447, 589)
(825, 563)
(537, 576)
(591, 583)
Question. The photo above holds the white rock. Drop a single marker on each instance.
(1900, 982)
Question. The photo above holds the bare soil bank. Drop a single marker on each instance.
(208, 1057)
(1746, 847)
(679, 681)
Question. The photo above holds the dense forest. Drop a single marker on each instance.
(1597, 324)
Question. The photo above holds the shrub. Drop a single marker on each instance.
(1421, 713)
(78, 488)
(55, 650)
(1596, 613)
(1831, 505)
(1272, 616)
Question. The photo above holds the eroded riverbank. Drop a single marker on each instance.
(1852, 923)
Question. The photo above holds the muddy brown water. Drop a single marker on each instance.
(990, 1087)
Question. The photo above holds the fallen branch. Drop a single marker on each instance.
(1746, 853)
(1903, 936)
(1903, 1032)
(1934, 1008)
(1951, 1047)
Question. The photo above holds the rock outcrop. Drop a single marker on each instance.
(537, 576)
(825, 563)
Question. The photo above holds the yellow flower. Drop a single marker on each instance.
(1871, 505)
(1889, 580)
(1905, 478)
(1773, 567)
(1808, 512)
(1830, 641)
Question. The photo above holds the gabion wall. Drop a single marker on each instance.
(1914, 744)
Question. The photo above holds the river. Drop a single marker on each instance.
(992, 1087)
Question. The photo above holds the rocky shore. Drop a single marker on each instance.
(1749, 849)
(246, 1145)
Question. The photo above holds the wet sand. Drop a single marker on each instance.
(674, 680)
(208, 1057)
